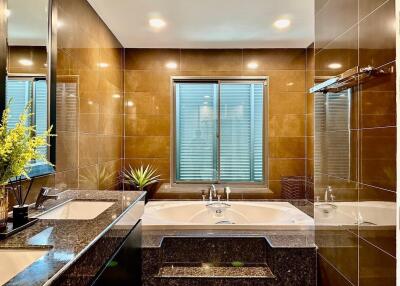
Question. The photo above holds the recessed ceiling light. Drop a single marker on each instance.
(116, 95)
(129, 103)
(282, 23)
(7, 12)
(252, 65)
(157, 23)
(171, 65)
(25, 62)
(102, 65)
(290, 84)
(334, 66)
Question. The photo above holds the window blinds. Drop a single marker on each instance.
(219, 132)
(41, 122)
(18, 94)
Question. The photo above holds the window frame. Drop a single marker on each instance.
(173, 132)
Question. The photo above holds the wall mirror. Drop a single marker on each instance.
(28, 71)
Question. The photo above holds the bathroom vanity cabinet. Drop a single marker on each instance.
(124, 267)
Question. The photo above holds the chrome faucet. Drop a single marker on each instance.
(44, 196)
(329, 194)
(212, 192)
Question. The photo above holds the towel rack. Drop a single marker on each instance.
(349, 79)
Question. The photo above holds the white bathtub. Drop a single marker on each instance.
(367, 214)
(239, 215)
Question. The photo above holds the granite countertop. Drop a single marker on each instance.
(66, 240)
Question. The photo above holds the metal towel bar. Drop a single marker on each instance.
(349, 79)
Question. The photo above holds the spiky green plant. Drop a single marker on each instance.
(141, 177)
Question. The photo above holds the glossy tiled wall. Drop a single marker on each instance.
(148, 101)
(89, 99)
(37, 54)
(360, 33)
(89, 77)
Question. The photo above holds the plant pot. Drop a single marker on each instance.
(150, 189)
(20, 214)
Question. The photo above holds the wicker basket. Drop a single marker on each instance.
(293, 187)
(3, 207)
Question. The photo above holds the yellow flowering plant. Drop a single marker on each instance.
(19, 146)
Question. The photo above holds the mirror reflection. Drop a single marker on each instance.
(27, 68)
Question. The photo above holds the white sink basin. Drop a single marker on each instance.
(13, 261)
(79, 210)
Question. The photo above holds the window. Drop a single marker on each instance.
(21, 90)
(219, 131)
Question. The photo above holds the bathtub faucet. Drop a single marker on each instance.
(212, 192)
(329, 194)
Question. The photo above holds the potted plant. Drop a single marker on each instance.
(18, 147)
(141, 178)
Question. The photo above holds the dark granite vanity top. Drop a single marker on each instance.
(66, 240)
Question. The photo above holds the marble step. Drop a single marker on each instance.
(216, 271)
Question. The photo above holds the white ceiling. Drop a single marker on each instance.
(209, 23)
(27, 23)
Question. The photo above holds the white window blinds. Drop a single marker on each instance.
(196, 129)
(219, 132)
(40, 109)
(18, 94)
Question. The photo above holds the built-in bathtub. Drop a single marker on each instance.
(366, 214)
(236, 215)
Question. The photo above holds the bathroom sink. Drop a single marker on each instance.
(78, 210)
(13, 261)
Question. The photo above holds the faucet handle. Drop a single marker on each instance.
(332, 198)
(203, 194)
(227, 191)
(46, 190)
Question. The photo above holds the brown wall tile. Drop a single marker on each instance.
(89, 121)
(379, 26)
(37, 55)
(287, 103)
(333, 19)
(286, 125)
(340, 249)
(215, 60)
(151, 59)
(372, 178)
(342, 50)
(286, 147)
(275, 59)
(368, 6)
(378, 157)
(376, 267)
(148, 99)
(328, 275)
